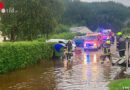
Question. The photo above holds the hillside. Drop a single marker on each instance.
(96, 15)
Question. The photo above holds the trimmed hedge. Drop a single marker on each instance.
(21, 54)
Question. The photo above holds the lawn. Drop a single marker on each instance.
(123, 84)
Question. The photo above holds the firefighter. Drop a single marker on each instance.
(112, 38)
(106, 51)
(69, 49)
(121, 45)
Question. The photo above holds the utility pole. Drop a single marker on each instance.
(127, 49)
(127, 56)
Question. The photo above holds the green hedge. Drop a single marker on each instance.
(21, 54)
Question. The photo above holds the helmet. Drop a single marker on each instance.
(69, 40)
(119, 34)
(108, 42)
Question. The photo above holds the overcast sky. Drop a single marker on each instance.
(125, 2)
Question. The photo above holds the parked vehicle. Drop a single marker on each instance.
(79, 41)
(63, 42)
(107, 34)
(93, 41)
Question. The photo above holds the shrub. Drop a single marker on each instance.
(43, 39)
(126, 31)
(61, 29)
(21, 54)
(67, 35)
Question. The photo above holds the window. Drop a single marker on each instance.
(90, 38)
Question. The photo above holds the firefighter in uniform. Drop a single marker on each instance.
(69, 48)
(106, 51)
(121, 45)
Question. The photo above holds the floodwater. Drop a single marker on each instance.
(83, 72)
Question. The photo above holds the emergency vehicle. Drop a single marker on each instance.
(79, 41)
(107, 33)
(93, 41)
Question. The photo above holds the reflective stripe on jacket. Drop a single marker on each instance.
(106, 51)
(68, 48)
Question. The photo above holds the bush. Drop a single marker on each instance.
(126, 30)
(43, 39)
(67, 35)
(61, 28)
(21, 54)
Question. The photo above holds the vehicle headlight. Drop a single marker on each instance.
(95, 44)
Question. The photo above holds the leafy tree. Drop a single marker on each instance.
(126, 31)
(96, 15)
(128, 25)
(61, 28)
(33, 18)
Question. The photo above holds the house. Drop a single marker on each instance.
(82, 29)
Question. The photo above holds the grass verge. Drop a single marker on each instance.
(123, 84)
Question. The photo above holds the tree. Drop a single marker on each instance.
(61, 28)
(33, 18)
(107, 15)
(126, 31)
(128, 25)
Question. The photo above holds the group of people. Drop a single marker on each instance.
(61, 47)
(120, 47)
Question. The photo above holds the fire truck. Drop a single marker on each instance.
(93, 41)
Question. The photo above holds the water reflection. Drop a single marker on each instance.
(65, 64)
(78, 58)
(95, 58)
(84, 72)
(91, 71)
(95, 73)
(85, 59)
(37, 77)
(68, 64)
(90, 57)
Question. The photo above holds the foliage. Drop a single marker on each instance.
(110, 15)
(126, 31)
(128, 25)
(120, 84)
(61, 32)
(67, 35)
(21, 54)
(77, 13)
(30, 18)
(96, 15)
(61, 28)
(42, 39)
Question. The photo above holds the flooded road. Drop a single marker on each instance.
(83, 72)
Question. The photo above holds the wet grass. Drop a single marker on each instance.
(123, 84)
